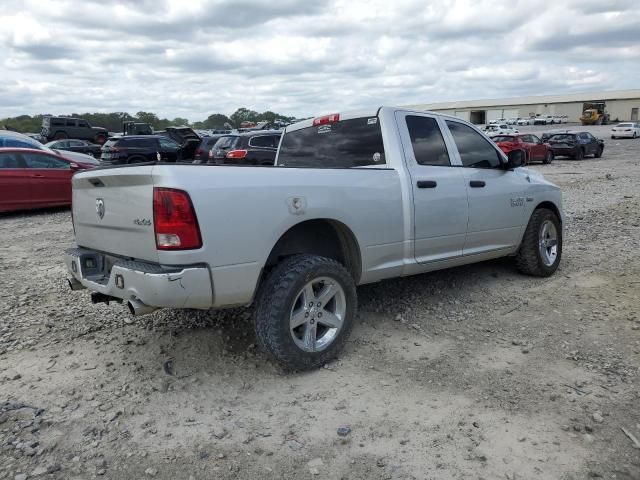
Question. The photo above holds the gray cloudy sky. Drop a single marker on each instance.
(190, 58)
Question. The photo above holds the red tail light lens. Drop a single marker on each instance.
(174, 220)
(198, 153)
(237, 154)
(333, 118)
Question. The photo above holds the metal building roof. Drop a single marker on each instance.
(532, 100)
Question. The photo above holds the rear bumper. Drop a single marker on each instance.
(558, 152)
(187, 286)
(622, 134)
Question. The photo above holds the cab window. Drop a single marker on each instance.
(427, 141)
(38, 160)
(475, 151)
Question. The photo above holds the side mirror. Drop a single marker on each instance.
(516, 159)
(74, 166)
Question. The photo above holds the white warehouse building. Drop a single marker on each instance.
(622, 105)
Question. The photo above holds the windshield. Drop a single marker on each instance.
(344, 144)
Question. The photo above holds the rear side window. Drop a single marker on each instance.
(344, 144)
(268, 141)
(57, 122)
(427, 142)
(40, 160)
(138, 143)
(9, 160)
(475, 151)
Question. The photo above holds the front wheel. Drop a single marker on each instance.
(548, 158)
(305, 311)
(598, 153)
(541, 248)
(579, 154)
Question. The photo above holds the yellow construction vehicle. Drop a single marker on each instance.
(594, 114)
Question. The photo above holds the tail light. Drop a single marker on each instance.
(174, 220)
(198, 153)
(237, 154)
(333, 118)
(210, 154)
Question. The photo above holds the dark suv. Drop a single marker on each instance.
(252, 148)
(59, 128)
(576, 145)
(140, 148)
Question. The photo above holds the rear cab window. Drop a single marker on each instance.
(348, 143)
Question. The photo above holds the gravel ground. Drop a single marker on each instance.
(471, 373)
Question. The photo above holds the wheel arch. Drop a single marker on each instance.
(321, 236)
(549, 205)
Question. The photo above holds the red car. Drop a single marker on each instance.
(31, 178)
(534, 148)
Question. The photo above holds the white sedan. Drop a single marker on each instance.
(626, 130)
(524, 121)
(499, 129)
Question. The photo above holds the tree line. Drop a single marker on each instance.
(113, 121)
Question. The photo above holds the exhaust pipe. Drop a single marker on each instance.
(75, 284)
(137, 308)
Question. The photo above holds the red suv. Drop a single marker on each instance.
(535, 150)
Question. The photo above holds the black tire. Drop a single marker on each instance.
(136, 159)
(612, 137)
(635, 135)
(598, 153)
(529, 259)
(276, 298)
(548, 158)
(579, 155)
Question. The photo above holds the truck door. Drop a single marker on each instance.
(496, 195)
(439, 191)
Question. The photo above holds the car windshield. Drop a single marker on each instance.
(503, 138)
(562, 138)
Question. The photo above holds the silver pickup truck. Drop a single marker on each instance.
(353, 199)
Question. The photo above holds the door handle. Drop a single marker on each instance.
(35, 175)
(477, 183)
(427, 184)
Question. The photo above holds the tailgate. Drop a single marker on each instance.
(113, 211)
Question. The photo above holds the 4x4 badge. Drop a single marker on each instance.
(100, 208)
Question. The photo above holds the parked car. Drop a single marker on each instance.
(32, 178)
(626, 130)
(257, 147)
(352, 199)
(535, 149)
(540, 121)
(512, 121)
(19, 140)
(80, 146)
(524, 121)
(140, 149)
(59, 128)
(576, 145)
(550, 133)
(203, 150)
(499, 129)
(186, 137)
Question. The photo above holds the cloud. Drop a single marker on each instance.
(191, 59)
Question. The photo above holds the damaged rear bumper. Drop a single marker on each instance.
(175, 286)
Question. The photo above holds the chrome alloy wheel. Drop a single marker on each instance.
(317, 314)
(548, 243)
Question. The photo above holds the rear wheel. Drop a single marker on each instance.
(305, 311)
(541, 247)
(579, 154)
(548, 157)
